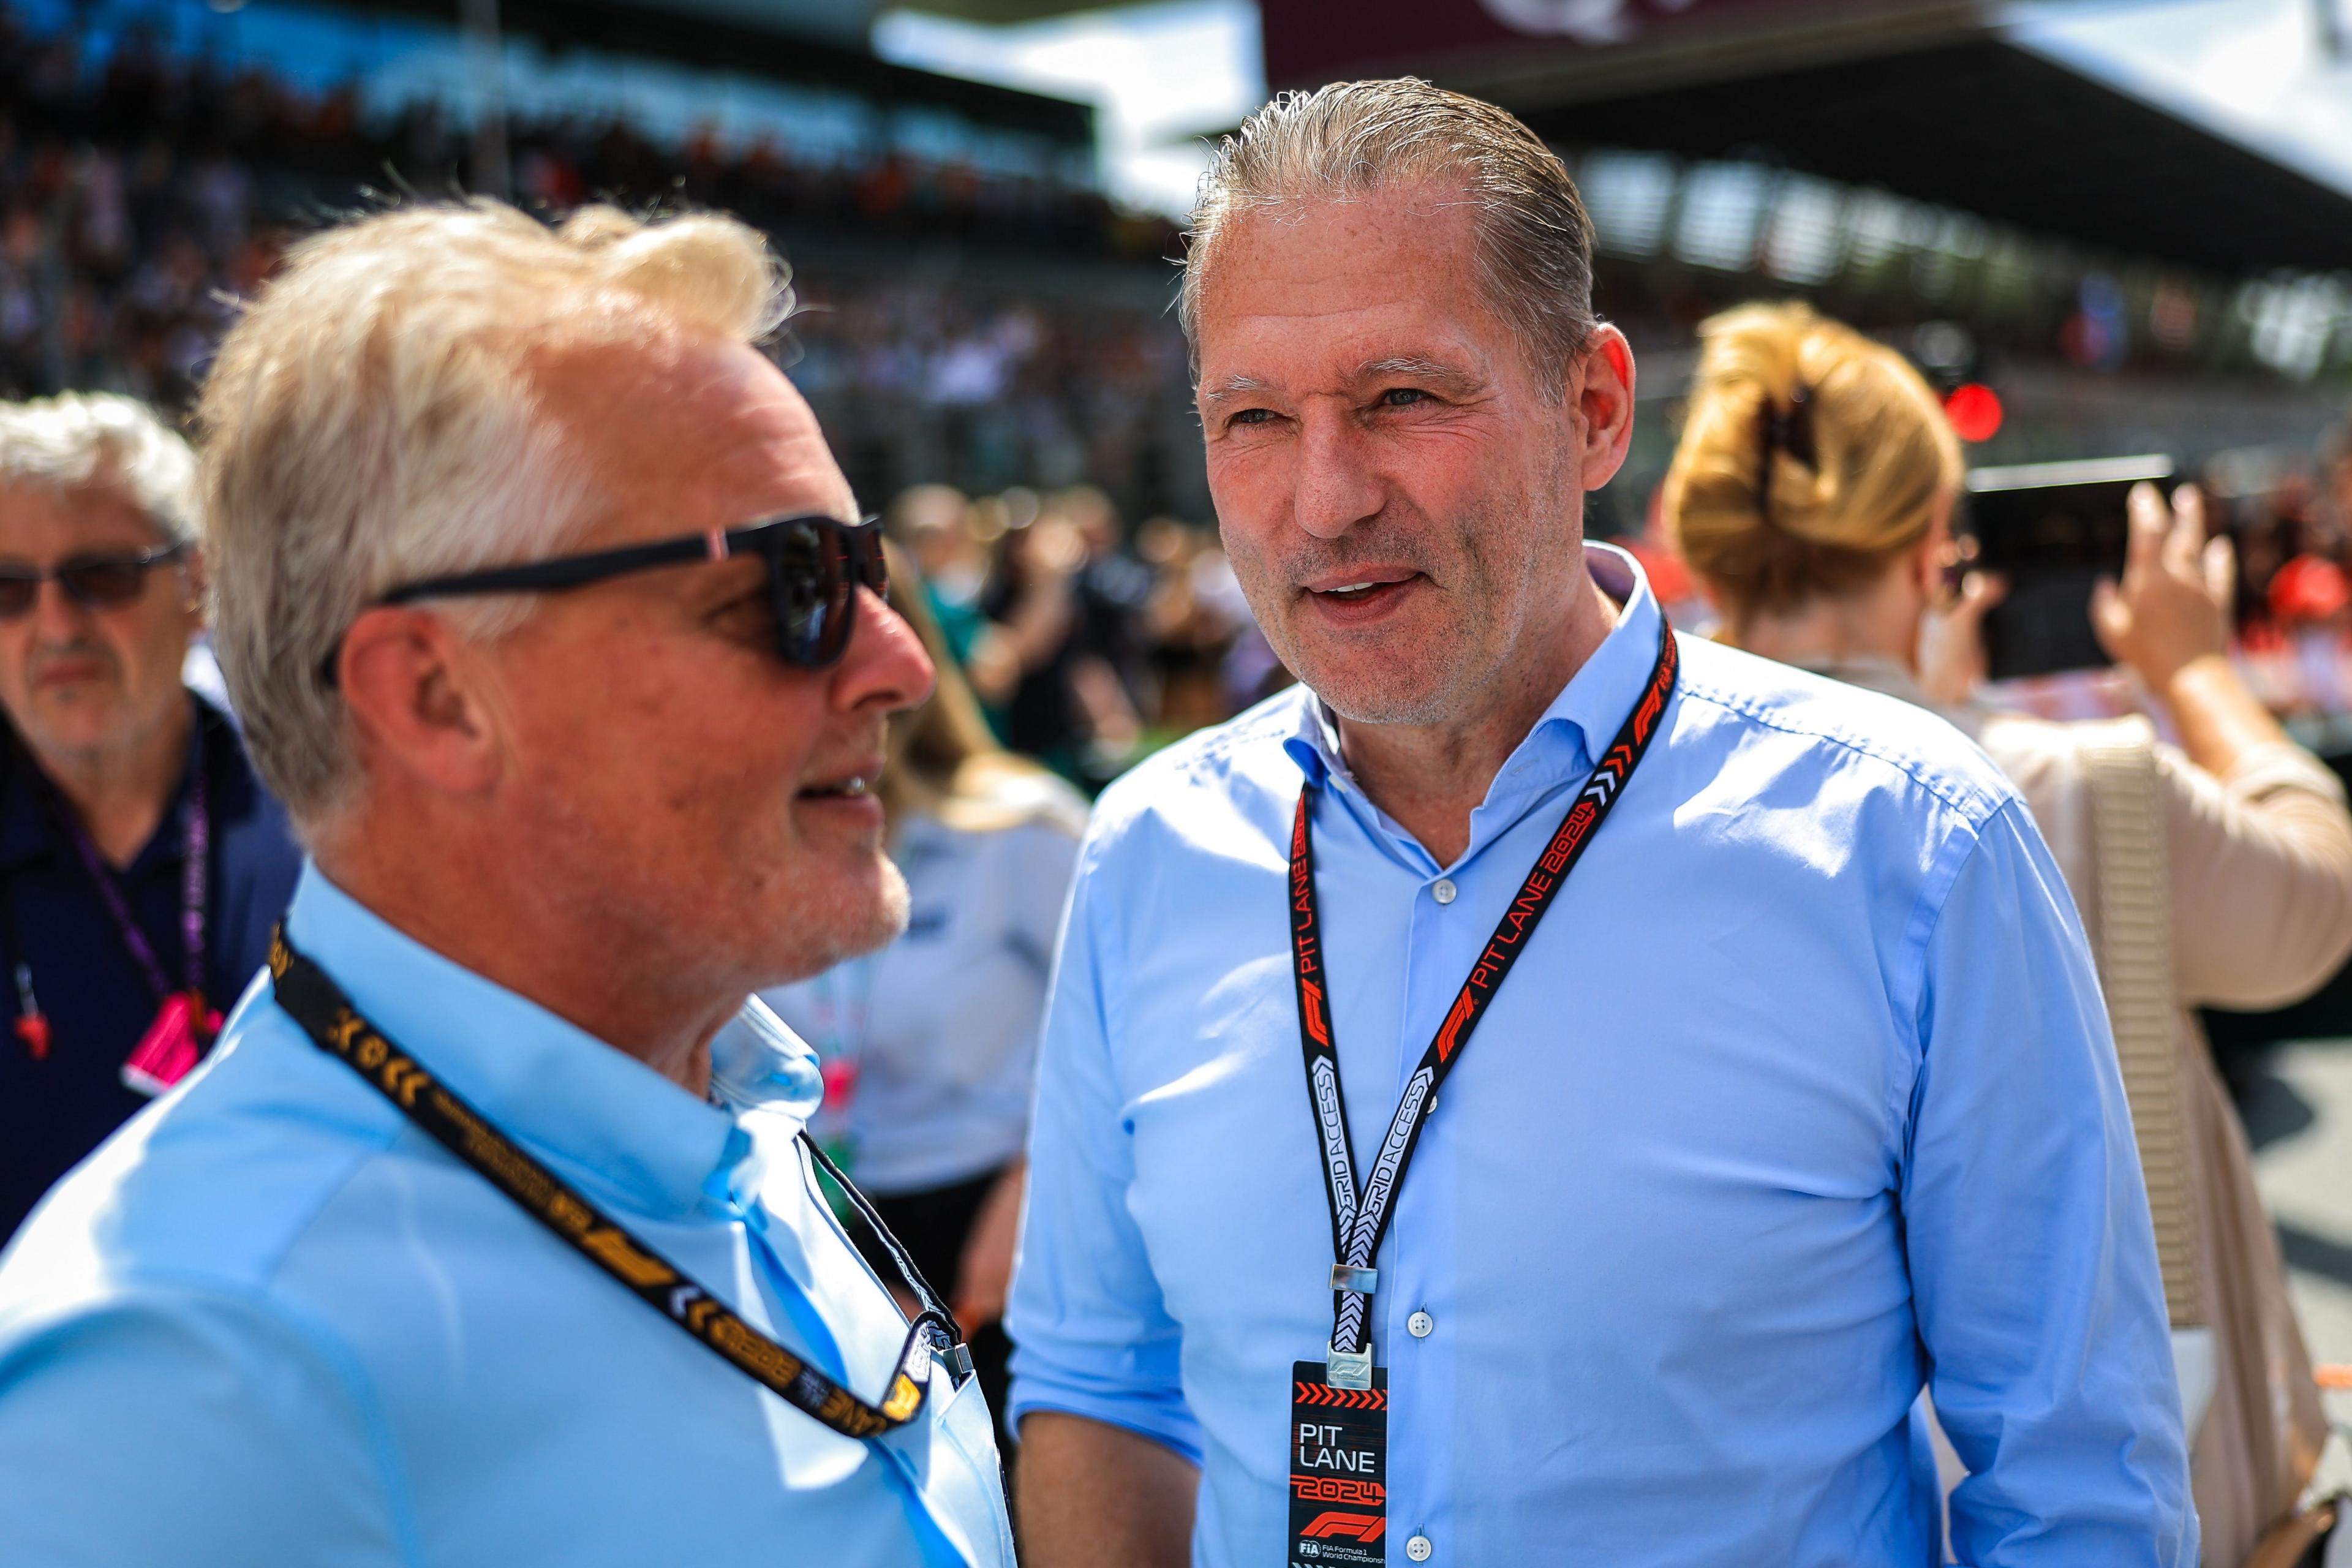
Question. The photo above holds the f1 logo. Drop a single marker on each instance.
(1366, 1527)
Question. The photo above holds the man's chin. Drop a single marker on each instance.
(1367, 691)
(866, 914)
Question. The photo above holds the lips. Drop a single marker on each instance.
(1358, 582)
(855, 783)
(1361, 595)
(69, 671)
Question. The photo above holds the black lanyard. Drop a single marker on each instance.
(1360, 1219)
(314, 1001)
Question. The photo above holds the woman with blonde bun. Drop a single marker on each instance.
(1812, 496)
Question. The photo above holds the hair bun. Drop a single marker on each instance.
(1810, 455)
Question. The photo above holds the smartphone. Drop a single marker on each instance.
(2052, 529)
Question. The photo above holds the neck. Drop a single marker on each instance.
(1431, 777)
(540, 948)
(1877, 622)
(120, 794)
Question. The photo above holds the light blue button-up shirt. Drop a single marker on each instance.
(1802, 1099)
(271, 1322)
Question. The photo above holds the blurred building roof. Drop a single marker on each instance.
(1933, 100)
(818, 43)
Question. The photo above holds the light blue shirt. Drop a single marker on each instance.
(1801, 1098)
(271, 1322)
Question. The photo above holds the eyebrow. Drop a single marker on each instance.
(1415, 367)
(1419, 367)
(1235, 386)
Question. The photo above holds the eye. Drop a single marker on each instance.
(1253, 416)
(1402, 398)
(748, 617)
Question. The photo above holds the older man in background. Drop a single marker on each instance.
(142, 865)
(484, 1239)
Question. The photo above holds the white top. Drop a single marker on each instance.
(944, 1022)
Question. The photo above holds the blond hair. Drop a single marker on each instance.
(1811, 457)
(373, 420)
(1350, 139)
(101, 440)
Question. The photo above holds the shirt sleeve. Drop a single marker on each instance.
(187, 1428)
(2040, 1304)
(2260, 874)
(1091, 1333)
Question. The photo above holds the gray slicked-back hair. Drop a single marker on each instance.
(1352, 138)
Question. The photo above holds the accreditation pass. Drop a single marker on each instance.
(1338, 1469)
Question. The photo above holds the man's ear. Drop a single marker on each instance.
(1603, 385)
(418, 694)
(194, 582)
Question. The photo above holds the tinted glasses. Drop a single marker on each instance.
(102, 580)
(816, 566)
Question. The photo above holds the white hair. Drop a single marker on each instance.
(99, 440)
(372, 421)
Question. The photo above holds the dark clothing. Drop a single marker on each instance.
(933, 1227)
(97, 998)
(1044, 717)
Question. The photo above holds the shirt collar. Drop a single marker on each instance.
(1579, 722)
(603, 1120)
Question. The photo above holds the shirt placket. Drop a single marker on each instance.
(1453, 913)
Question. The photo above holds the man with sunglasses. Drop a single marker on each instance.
(490, 1233)
(140, 862)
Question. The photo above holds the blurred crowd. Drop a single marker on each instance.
(2295, 587)
(1085, 648)
(142, 193)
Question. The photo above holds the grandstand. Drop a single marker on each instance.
(973, 308)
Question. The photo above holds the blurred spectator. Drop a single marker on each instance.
(1194, 612)
(1061, 605)
(1812, 495)
(937, 1033)
(142, 865)
(933, 524)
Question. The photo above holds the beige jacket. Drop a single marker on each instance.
(2260, 879)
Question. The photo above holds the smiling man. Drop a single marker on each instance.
(486, 1237)
(1619, 1074)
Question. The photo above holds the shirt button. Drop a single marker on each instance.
(1442, 889)
(1421, 1325)
(1418, 1549)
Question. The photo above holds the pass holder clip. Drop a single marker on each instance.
(1349, 1369)
(1360, 1281)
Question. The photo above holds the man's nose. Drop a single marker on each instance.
(57, 615)
(1338, 486)
(884, 667)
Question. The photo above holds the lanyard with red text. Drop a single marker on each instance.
(1360, 1219)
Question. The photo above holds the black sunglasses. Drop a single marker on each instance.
(95, 582)
(816, 566)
